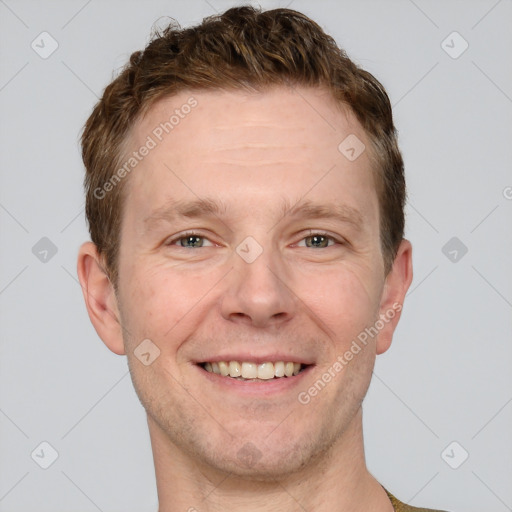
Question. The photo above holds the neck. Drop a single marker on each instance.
(337, 480)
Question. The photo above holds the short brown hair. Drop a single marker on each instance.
(242, 48)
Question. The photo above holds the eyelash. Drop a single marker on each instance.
(187, 234)
(311, 234)
(323, 234)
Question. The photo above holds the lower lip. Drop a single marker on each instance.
(259, 388)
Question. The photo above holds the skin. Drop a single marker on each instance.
(257, 155)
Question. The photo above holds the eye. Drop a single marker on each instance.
(190, 241)
(317, 241)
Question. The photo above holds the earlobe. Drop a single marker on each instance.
(395, 288)
(100, 298)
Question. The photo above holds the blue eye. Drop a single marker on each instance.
(316, 241)
(190, 241)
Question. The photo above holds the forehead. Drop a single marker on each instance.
(215, 121)
(244, 146)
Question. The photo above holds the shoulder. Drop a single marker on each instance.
(402, 507)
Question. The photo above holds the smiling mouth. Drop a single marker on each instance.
(247, 371)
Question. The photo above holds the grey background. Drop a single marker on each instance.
(447, 376)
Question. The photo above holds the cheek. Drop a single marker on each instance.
(163, 303)
(346, 300)
(141, 304)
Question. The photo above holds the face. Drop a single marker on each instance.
(250, 241)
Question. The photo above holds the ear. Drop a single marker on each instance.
(100, 297)
(395, 287)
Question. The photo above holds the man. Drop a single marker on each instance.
(245, 197)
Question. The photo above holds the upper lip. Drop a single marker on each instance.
(256, 359)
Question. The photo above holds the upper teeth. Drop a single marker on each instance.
(252, 370)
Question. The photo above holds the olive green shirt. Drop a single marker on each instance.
(402, 507)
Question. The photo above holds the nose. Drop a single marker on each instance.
(259, 293)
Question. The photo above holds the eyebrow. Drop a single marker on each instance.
(203, 208)
(339, 212)
(188, 209)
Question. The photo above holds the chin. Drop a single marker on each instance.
(265, 460)
(254, 463)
